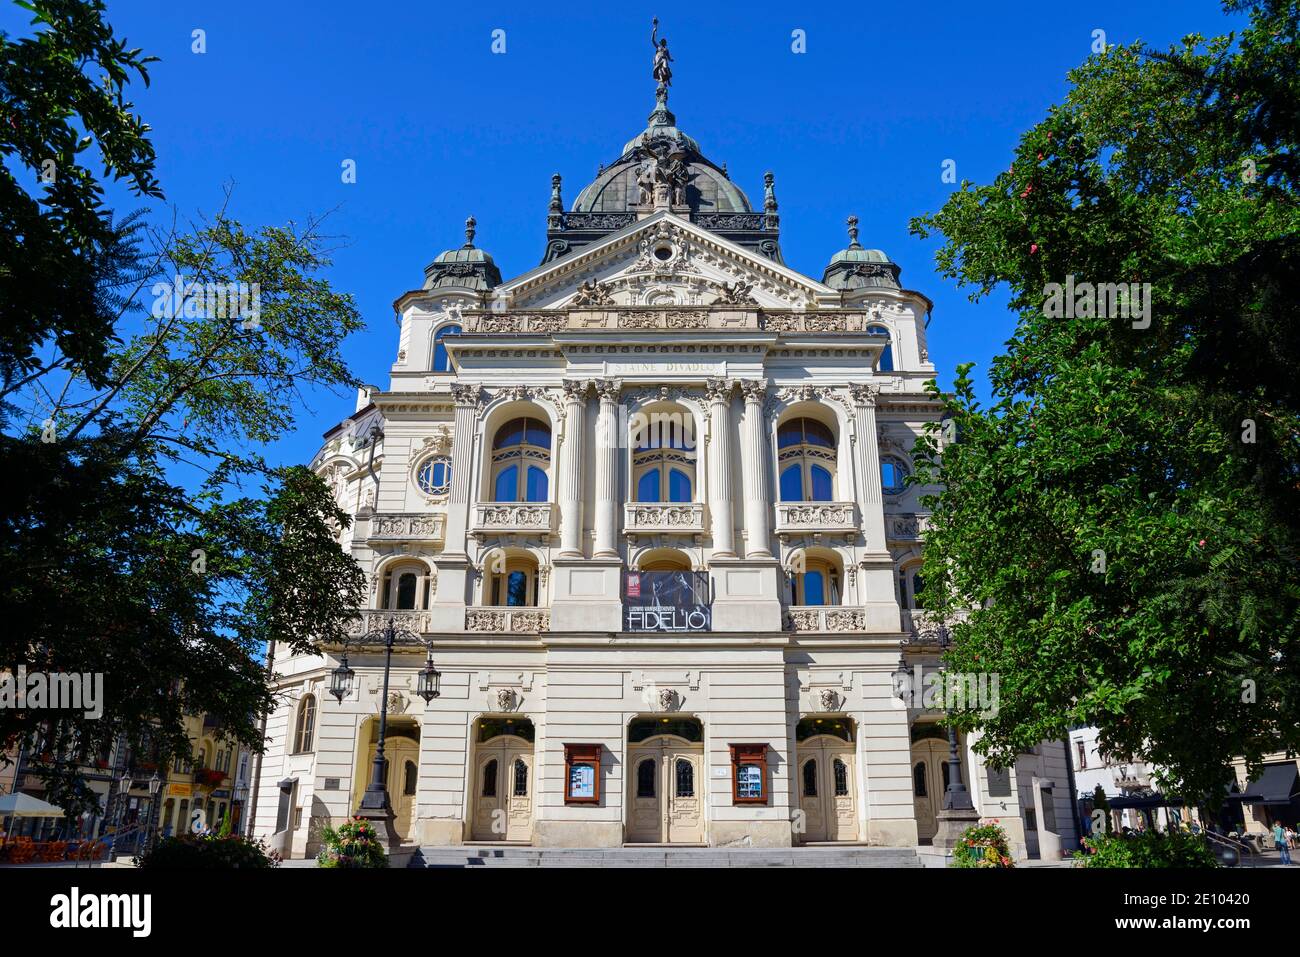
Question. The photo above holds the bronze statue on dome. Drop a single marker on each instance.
(663, 73)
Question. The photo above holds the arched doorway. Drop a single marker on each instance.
(930, 758)
(665, 786)
(827, 779)
(401, 768)
(503, 783)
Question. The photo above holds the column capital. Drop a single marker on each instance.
(607, 390)
(719, 390)
(575, 390)
(755, 390)
(864, 394)
(466, 394)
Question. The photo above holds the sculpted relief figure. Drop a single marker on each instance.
(663, 73)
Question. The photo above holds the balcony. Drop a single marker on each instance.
(527, 621)
(824, 618)
(922, 627)
(374, 620)
(513, 518)
(397, 527)
(660, 518)
(816, 518)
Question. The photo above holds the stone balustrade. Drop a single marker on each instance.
(673, 318)
(816, 518)
(491, 518)
(376, 619)
(487, 618)
(407, 527)
(923, 626)
(685, 518)
(823, 618)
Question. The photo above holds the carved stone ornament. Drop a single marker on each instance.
(505, 699)
(830, 699)
(466, 394)
(737, 293)
(592, 293)
(397, 703)
(667, 699)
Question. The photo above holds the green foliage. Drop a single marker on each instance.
(352, 844)
(1125, 517)
(62, 91)
(208, 852)
(984, 845)
(1146, 849)
(1102, 803)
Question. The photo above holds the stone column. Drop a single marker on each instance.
(724, 530)
(868, 449)
(571, 474)
(462, 466)
(758, 504)
(607, 443)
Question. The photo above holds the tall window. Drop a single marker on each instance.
(490, 779)
(441, 361)
(663, 458)
(817, 584)
(306, 728)
(910, 586)
(886, 363)
(645, 779)
(918, 779)
(810, 778)
(511, 581)
(521, 778)
(806, 459)
(406, 588)
(685, 778)
(521, 454)
(841, 772)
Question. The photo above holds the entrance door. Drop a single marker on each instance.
(666, 791)
(503, 790)
(929, 781)
(402, 759)
(828, 789)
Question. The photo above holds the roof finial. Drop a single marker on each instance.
(852, 223)
(769, 192)
(555, 212)
(663, 73)
(469, 232)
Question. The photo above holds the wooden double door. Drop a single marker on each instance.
(503, 790)
(666, 791)
(828, 789)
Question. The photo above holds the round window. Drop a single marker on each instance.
(663, 253)
(893, 475)
(434, 476)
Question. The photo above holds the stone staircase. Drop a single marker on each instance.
(519, 856)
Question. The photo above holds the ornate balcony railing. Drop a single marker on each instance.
(715, 316)
(906, 527)
(816, 518)
(685, 518)
(923, 626)
(536, 518)
(375, 619)
(407, 527)
(486, 618)
(812, 618)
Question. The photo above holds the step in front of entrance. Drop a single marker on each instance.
(469, 856)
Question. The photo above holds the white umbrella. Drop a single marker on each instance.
(24, 805)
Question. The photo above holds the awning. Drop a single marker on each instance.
(1143, 802)
(24, 805)
(1276, 785)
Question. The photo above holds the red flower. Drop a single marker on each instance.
(1033, 248)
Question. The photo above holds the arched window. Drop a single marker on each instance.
(685, 778)
(410, 778)
(810, 778)
(645, 779)
(406, 588)
(841, 772)
(806, 459)
(521, 778)
(918, 779)
(490, 779)
(817, 584)
(434, 476)
(893, 474)
(886, 363)
(511, 581)
(521, 454)
(910, 586)
(306, 727)
(441, 361)
(663, 457)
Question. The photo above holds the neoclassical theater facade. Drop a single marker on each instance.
(647, 507)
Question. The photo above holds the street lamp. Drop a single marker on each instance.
(341, 679)
(155, 785)
(430, 678)
(375, 806)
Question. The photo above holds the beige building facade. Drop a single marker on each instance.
(646, 506)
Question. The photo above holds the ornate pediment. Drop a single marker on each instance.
(664, 261)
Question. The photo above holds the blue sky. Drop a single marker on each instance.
(441, 127)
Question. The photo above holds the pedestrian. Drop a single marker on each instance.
(1280, 842)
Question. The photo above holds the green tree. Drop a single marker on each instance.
(62, 91)
(1123, 518)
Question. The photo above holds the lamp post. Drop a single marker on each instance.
(958, 812)
(375, 806)
(155, 785)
